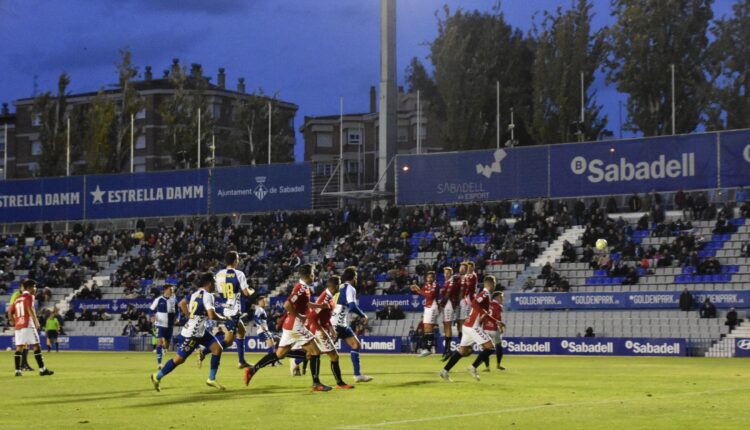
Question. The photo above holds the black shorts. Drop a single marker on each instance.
(52, 334)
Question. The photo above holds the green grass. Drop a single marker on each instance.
(112, 391)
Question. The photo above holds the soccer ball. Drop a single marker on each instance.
(7, 349)
(601, 244)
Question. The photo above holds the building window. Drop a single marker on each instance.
(36, 148)
(324, 169)
(352, 167)
(354, 137)
(139, 167)
(141, 114)
(36, 120)
(324, 140)
(140, 142)
(216, 110)
(403, 134)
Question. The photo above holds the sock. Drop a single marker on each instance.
(39, 359)
(240, 342)
(49, 347)
(168, 367)
(315, 368)
(158, 354)
(486, 361)
(25, 358)
(355, 361)
(499, 354)
(17, 359)
(484, 355)
(429, 341)
(265, 361)
(215, 360)
(447, 346)
(304, 365)
(453, 360)
(298, 360)
(336, 370)
(57, 347)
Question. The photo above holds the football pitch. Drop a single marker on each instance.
(113, 391)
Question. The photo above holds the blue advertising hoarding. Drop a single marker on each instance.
(742, 347)
(640, 300)
(80, 343)
(405, 302)
(620, 346)
(262, 188)
(472, 176)
(183, 192)
(634, 166)
(110, 306)
(49, 199)
(735, 158)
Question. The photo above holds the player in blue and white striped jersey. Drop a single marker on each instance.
(201, 309)
(260, 318)
(232, 284)
(346, 301)
(163, 311)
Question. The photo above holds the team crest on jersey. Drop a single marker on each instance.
(260, 191)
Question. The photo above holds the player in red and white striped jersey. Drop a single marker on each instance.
(472, 331)
(26, 325)
(429, 319)
(495, 327)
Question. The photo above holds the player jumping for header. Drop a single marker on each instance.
(431, 312)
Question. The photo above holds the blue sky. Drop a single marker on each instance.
(309, 51)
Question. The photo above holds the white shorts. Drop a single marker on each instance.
(472, 335)
(298, 336)
(27, 336)
(448, 314)
(496, 336)
(324, 341)
(430, 315)
(464, 308)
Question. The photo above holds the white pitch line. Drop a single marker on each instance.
(529, 408)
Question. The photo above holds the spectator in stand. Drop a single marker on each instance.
(546, 271)
(568, 253)
(708, 310)
(732, 319)
(529, 284)
(634, 203)
(130, 314)
(723, 226)
(709, 266)
(102, 315)
(680, 200)
(588, 255)
(686, 301)
(86, 315)
(129, 330)
(745, 250)
(631, 278)
(612, 205)
(144, 326)
(589, 332)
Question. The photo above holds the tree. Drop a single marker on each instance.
(98, 137)
(52, 113)
(565, 46)
(250, 130)
(648, 37)
(179, 114)
(730, 71)
(474, 50)
(130, 102)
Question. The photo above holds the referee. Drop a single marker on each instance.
(52, 328)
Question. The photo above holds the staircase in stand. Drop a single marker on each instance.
(726, 346)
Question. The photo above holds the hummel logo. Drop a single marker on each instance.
(487, 171)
